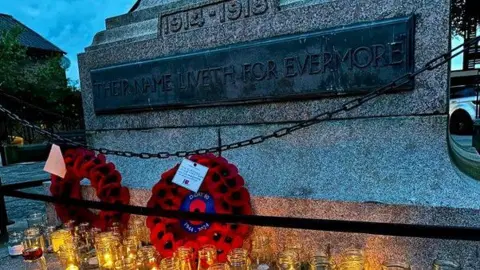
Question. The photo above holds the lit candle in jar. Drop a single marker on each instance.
(108, 259)
(72, 267)
(60, 238)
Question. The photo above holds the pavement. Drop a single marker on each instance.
(19, 209)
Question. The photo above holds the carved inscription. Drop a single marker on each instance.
(350, 60)
(225, 11)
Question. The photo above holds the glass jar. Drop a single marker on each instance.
(207, 256)
(288, 260)
(139, 230)
(130, 247)
(36, 264)
(219, 266)
(169, 264)
(68, 256)
(108, 249)
(115, 228)
(126, 264)
(352, 259)
(320, 262)
(37, 220)
(390, 265)
(70, 225)
(32, 250)
(15, 245)
(82, 234)
(185, 258)
(59, 238)
(33, 239)
(261, 255)
(48, 238)
(148, 258)
(442, 264)
(87, 257)
(238, 259)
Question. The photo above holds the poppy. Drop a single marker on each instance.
(213, 180)
(238, 197)
(245, 209)
(237, 241)
(179, 192)
(110, 190)
(222, 251)
(170, 203)
(80, 159)
(228, 170)
(239, 229)
(216, 232)
(157, 233)
(160, 190)
(222, 206)
(66, 188)
(56, 185)
(207, 162)
(62, 213)
(195, 158)
(117, 196)
(193, 245)
(220, 191)
(87, 166)
(153, 221)
(70, 153)
(111, 178)
(167, 245)
(235, 181)
(99, 172)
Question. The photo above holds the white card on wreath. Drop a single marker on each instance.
(190, 175)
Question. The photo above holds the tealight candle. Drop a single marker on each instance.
(72, 267)
(60, 238)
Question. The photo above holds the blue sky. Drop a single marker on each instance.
(71, 24)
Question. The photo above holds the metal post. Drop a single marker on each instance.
(3, 216)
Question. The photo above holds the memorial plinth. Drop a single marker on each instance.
(161, 79)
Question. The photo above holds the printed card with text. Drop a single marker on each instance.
(190, 175)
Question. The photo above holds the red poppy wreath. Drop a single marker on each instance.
(222, 191)
(104, 178)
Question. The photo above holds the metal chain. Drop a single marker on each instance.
(348, 106)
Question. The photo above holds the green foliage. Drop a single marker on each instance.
(36, 79)
(465, 16)
(13, 57)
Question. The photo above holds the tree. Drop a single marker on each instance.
(465, 17)
(40, 81)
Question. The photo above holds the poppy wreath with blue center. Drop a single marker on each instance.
(227, 189)
(104, 178)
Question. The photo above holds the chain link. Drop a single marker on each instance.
(325, 116)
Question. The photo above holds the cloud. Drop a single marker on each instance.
(69, 24)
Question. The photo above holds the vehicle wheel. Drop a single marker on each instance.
(461, 123)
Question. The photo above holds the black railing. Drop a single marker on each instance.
(375, 228)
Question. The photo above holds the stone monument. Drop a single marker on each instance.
(184, 75)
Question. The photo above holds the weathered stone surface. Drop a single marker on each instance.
(400, 160)
(430, 96)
